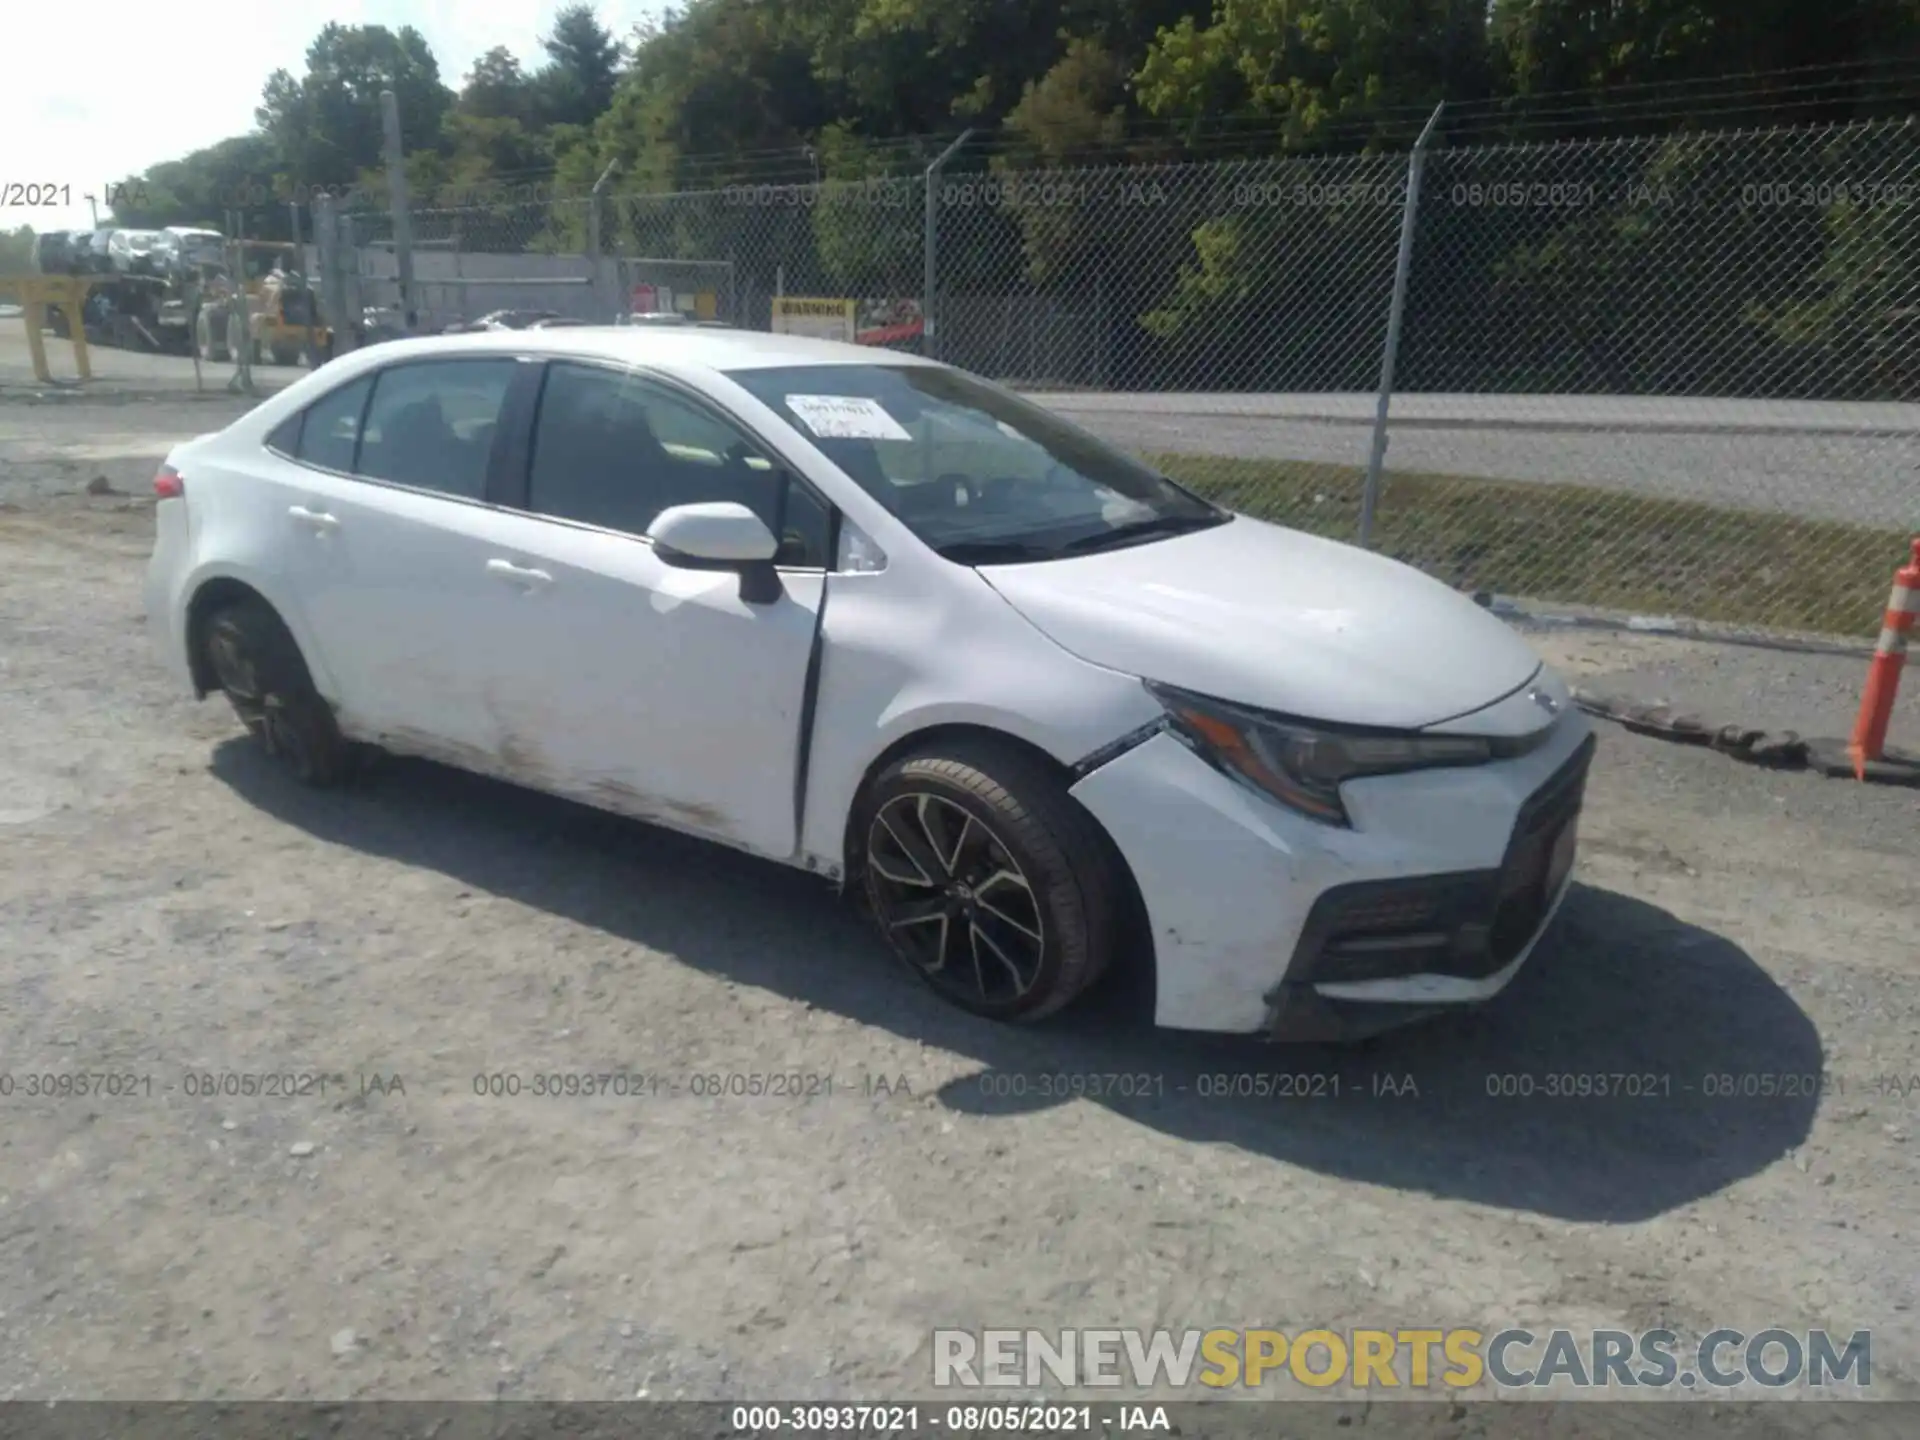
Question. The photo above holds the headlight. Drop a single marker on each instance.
(1303, 765)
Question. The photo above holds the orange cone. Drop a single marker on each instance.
(1883, 675)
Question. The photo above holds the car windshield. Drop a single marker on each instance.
(980, 475)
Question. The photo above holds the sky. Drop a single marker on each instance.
(132, 85)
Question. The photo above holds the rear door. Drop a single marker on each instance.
(387, 523)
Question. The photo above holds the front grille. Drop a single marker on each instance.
(1525, 883)
(1467, 925)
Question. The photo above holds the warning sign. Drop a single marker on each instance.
(818, 318)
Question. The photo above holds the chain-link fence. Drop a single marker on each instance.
(1674, 376)
(227, 316)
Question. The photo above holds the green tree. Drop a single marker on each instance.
(16, 251)
(327, 123)
(496, 88)
(726, 78)
(1852, 319)
(576, 84)
(1577, 51)
(1320, 68)
(242, 174)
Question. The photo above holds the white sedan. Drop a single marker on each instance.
(876, 618)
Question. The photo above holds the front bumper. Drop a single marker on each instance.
(1265, 922)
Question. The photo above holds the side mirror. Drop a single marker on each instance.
(720, 535)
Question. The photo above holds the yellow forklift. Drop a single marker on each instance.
(283, 313)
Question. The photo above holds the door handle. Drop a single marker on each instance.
(519, 575)
(317, 519)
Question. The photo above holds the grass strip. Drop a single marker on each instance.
(1579, 545)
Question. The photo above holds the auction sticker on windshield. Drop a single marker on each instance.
(846, 417)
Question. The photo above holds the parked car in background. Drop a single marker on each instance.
(502, 320)
(93, 251)
(135, 252)
(184, 247)
(881, 620)
(54, 252)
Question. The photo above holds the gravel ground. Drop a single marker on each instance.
(171, 908)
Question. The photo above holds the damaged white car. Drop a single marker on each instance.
(874, 617)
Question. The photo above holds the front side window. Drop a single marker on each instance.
(613, 449)
(431, 424)
(976, 472)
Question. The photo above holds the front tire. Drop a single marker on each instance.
(260, 668)
(988, 880)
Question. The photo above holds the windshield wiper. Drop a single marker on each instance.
(992, 552)
(1158, 527)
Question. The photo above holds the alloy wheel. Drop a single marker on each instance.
(954, 900)
(260, 709)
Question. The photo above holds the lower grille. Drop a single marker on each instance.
(1467, 925)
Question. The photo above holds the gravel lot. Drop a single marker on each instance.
(171, 908)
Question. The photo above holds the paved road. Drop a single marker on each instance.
(123, 370)
(1850, 462)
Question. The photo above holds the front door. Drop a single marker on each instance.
(626, 682)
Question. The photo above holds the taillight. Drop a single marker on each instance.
(168, 484)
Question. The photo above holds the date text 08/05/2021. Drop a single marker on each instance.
(907, 1420)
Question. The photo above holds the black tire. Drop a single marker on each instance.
(260, 668)
(1013, 948)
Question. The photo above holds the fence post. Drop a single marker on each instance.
(930, 245)
(243, 352)
(328, 284)
(313, 284)
(402, 215)
(1403, 268)
(596, 246)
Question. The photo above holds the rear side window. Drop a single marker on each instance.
(431, 424)
(332, 427)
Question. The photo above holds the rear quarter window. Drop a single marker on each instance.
(331, 427)
(285, 439)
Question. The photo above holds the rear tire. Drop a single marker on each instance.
(260, 669)
(988, 880)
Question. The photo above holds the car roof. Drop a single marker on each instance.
(692, 347)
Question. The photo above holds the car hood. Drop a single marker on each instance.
(1277, 620)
